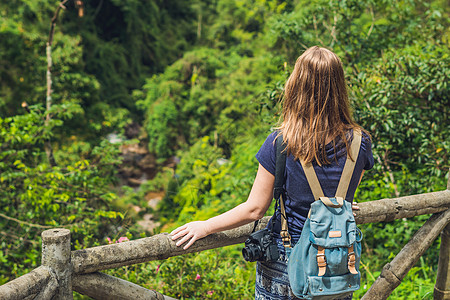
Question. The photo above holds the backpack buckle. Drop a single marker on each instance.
(286, 238)
(321, 261)
(351, 259)
(287, 243)
(351, 262)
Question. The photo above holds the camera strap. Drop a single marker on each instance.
(279, 193)
(254, 226)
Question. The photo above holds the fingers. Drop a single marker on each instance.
(185, 238)
(355, 207)
(185, 234)
(190, 243)
(175, 231)
(190, 238)
(189, 233)
(179, 234)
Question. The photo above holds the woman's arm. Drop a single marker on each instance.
(253, 209)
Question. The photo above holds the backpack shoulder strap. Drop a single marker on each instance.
(349, 166)
(347, 172)
(313, 182)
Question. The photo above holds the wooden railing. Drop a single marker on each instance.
(64, 271)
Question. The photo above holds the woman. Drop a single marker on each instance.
(317, 127)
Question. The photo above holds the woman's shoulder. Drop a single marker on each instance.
(270, 141)
(366, 140)
(266, 154)
(366, 150)
(272, 136)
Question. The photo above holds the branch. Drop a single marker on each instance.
(333, 34)
(333, 29)
(54, 19)
(48, 100)
(373, 23)
(24, 223)
(34, 243)
(97, 10)
(61, 5)
(361, 46)
(315, 29)
(388, 172)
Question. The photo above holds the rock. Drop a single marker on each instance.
(147, 223)
(153, 199)
(138, 165)
(136, 208)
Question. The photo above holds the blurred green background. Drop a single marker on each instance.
(158, 108)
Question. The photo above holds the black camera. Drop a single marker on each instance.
(260, 246)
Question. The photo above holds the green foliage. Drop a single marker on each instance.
(97, 59)
(205, 183)
(206, 91)
(35, 196)
(213, 274)
(417, 284)
(358, 31)
(125, 41)
(405, 103)
(173, 112)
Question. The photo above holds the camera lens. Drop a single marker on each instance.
(251, 253)
(247, 256)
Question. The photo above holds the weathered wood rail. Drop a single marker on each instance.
(64, 271)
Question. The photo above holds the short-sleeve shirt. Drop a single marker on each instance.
(298, 193)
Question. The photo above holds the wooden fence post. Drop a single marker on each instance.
(56, 255)
(442, 287)
(38, 284)
(104, 287)
(393, 272)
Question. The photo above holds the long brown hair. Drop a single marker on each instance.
(315, 106)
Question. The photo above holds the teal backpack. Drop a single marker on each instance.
(325, 261)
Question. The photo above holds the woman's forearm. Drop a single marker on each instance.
(238, 216)
(253, 209)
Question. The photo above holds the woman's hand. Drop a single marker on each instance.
(190, 232)
(355, 207)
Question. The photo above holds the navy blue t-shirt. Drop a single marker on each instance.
(298, 193)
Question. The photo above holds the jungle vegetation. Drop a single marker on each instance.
(202, 82)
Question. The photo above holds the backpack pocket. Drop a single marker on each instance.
(332, 227)
(334, 285)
